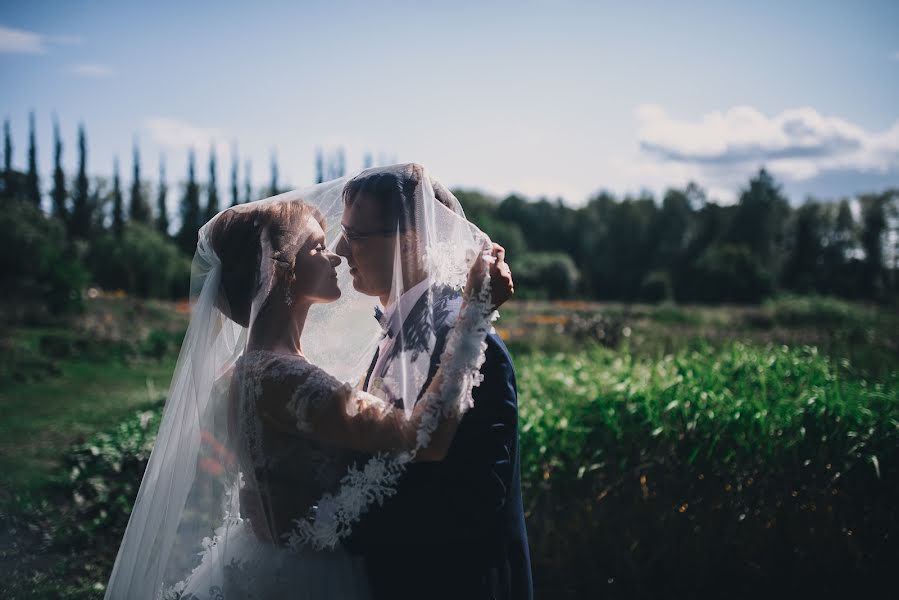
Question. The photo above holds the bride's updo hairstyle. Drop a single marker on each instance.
(244, 236)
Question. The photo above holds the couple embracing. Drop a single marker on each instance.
(309, 450)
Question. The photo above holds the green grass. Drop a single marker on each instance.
(732, 408)
(44, 418)
(62, 382)
(742, 463)
(864, 334)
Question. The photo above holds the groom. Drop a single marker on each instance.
(454, 528)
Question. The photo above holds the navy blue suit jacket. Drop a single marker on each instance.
(455, 528)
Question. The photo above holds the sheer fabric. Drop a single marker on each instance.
(267, 453)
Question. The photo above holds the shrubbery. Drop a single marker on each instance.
(549, 275)
(105, 472)
(749, 464)
(714, 473)
(38, 270)
(143, 262)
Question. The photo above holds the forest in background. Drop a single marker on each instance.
(90, 231)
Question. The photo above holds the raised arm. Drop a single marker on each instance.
(312, 402)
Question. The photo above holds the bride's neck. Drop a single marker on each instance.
(279, 328)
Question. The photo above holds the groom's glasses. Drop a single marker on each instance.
(351, 235)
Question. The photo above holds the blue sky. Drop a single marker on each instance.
(545, 97)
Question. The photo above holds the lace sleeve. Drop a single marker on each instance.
(304, 399)
(316, 404)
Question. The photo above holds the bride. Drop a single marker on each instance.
(266, 456)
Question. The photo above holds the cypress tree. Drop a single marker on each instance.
(235, 193)
(273, 187)
(118, 208)
(139, 211)
(341, 162)
(8, 177)
(212, 203)
(319, 166)
(162, 216)
(190, 210)
(247, 186)
(81, 205)
(59, 178)
(32, 182)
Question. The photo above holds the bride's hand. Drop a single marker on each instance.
(501, 285)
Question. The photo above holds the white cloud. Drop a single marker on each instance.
(96, 71)
(796, 144)
(19, 41)
(175, 134)
(895, 56)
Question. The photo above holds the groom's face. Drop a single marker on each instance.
(368, 246)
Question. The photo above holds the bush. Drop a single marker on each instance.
(819, 311)
(37, 271)
(656, 287)
(749, 464)
(550, 275)
(731, 273)
(105, 472)
(143, 262)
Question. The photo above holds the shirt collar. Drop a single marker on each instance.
(392, 319)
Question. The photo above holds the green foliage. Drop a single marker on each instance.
(190, 212)
(820, 311)
(81, 222)
(162, 211)
(721, 462)
(739, 408)
(751, 463)
(59, 193)
(689, 249)
(118, 207)
(32, 180)
(731, 273)
(37, 270)
(656, 287)
(139, 209)
(545, 275)
(760, 218)
(106, 470)
(142, 262)
(212, 202)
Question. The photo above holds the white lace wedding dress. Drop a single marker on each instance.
(285, 410)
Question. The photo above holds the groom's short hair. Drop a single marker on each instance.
(393, 189)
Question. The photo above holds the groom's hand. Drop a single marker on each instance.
(501, 285)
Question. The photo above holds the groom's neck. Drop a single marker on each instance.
(408, 284)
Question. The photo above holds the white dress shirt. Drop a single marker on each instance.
(393, 320)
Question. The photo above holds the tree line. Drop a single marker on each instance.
(93, 231)
(681, 247)
(685, 247)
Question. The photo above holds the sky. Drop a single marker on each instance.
(547, 98)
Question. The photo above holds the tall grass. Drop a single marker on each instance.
(742, 462)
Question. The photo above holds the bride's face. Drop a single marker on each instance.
(316, 268)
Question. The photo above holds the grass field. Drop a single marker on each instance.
(665, 449)
(62, 383)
